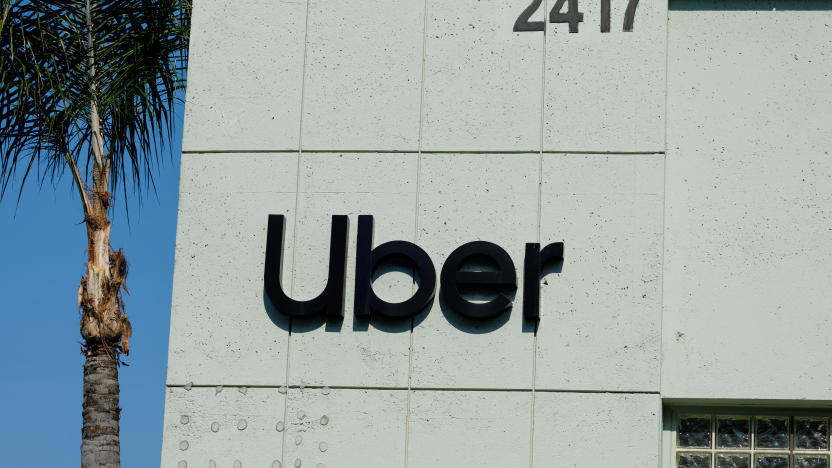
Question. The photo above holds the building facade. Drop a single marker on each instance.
(681, 154)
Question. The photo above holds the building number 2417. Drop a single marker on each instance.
(572, 16)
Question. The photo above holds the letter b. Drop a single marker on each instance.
(367, 259)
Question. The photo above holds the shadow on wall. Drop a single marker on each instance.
(749, 5)
(388, 325)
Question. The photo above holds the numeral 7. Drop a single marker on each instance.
(629, 15)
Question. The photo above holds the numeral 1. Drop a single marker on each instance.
(605, 16)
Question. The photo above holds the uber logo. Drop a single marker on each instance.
(368, 259)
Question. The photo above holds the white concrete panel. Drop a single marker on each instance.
(352, 353)
(451, 429)
(585, 430)
(749, 204)
(463, 198)
(363, 75)
(223, 331)
(483, 82)
(347, 428)
(606, 91)
(202, 425)
(245, 75)
(600, 318)
(238, 173)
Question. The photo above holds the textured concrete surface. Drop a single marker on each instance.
(345, 428)
(463, 198)
(363, 75)
(221, 331)
(749, 204)
(228, 425)
(605, 92)
(482, 80)
(374, 354)
(483, 429)
(600, 317)
(593, 430)
(245, 75)
(431, 116)
(700, 274)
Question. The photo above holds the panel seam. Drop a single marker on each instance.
(420, 150)
(416, 224)
(418, 388)
(664, 224)
(539, 211)
(295, 229)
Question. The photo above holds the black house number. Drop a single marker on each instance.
(572, 16)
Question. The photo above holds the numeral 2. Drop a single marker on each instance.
(523, 24)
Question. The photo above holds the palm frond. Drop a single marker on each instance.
(46, 86)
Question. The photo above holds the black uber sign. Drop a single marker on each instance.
(368, 259)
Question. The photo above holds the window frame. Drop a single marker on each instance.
(670, 418)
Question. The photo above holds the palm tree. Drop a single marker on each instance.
(88, 90)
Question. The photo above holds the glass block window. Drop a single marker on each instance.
(707, 440)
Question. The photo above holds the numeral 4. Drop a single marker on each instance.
(572, 15)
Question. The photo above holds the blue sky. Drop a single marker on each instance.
(44, 246)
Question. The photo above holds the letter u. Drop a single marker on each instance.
(331, 300)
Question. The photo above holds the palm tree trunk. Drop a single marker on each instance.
(104, 326)
(100, 446)
(105, 330)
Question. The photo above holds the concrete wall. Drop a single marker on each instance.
(448, 127)
(748, 264)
